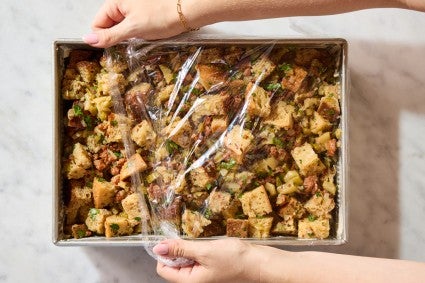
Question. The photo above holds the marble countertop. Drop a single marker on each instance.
(387, 131)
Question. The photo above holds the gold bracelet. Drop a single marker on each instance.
(183, 18)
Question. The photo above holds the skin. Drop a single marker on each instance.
(231, 260)
(118, 20)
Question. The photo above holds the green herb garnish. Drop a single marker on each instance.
(208, 213)
(115, 227)
(273, 86)
(311, 218)
(118, 154)
(100, 179)
(228, 165)
(114, 123)
(89, 122)
(138, 218)
(209, 186)
(285, 67)
(81, 233)
(278, 142)
(93, 212)
(171, 146)
(77, 110)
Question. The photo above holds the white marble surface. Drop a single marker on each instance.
(387, 129)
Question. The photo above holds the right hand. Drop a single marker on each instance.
(227, 260)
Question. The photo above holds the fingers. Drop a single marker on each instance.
(109, 36)
(180, 248)
(108, 15)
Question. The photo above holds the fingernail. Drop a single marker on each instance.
(91, 38)
(161, 249)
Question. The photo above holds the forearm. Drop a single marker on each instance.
(317, 267)
(204, 12)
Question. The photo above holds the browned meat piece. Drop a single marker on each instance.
(172, 213)
(304, 57)
(310, 185)
(331, 147)
(216, 228)
(293, 82)
(120, 195)
(156, 193)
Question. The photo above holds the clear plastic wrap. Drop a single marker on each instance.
(236, 137)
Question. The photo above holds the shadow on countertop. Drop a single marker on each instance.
(386, 79)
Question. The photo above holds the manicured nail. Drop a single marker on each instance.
(91, 38)
(161, 249)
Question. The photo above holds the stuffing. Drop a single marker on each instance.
(111, 84)
(103, 192)
(193, 223)
(179, 131)
(211, 75)
(319, 124)
(135, 209)
(285, 227)
(117, 226)
(103, 106)
(237, 228)
(95, 220)
(164, 94)
(88, 70)
(167, 73)
(281, 116)
(320, 205)
(200, 177)
(256, 202)
(307, 160)
(133, 165)
(262, 68)
(237, 142)
(258, 101)
(209, 105)
(292, 208)
(143, 134)
(309, 228)
(219, 125)
(293, 81)
(79, 162)
(218, 201)
(79, 203)
(80, 231)
(260, 227)
(329, 107)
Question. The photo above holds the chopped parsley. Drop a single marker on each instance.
(114, 123)
(208, 213)
(209, 186)
(89, 121)
(285, 67)
(278, 142)
(311, 218)
(318, 194)
(81, 233)
(101, 138)
(118, 154)
(138, 218)
(100, 179)
(93, 212)
(228, 165)
(115, 227)
(310, 235)
(171, 146)
(273, 86)
(77, 110)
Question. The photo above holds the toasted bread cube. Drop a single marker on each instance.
(281, 116)
(78, 55)
(111, 83)
(318, 228)
(88, 70)
(103, 192)
(164, 94)
(321, 141)
(320, 205)
(237, 228)
(135, 208)
(258, 101)
(216, 228)
(328, 182)
(292, 208)
(285, 227)
(79, 203)
(117, 226)
(307, 160)
(237, 141)
(200, 177)
(117, 65)
(211, 55)
(329, 90)
(179, 131)
(256, 202)
(218, 201)
(133, 165)
(143, 134)
(260, 227)
(79, 162)
(209, 105)
(72, 86)
(262, 68)
(211, 75)
(103, 105)
(80, 231)
(167, 73)
(329, 107)
(318, 124)
(233, 209)
(193, 223)
(293, 82)
(218, 125)
(95, 220)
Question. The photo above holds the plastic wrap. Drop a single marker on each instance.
(222, 137)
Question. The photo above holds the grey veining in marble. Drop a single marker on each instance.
(387, 130)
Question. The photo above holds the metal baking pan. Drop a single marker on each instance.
(61, 50)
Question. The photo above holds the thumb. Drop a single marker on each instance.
(178, 248)
(107, 37)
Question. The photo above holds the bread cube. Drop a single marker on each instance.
(109, 83)
(117, 64)
(135, 208)
(88, 70)
(79, 203)
(164, 94)
(258, 101)
(260, 227)
(143, 134)
(200, 177)
(211, 75)
(103, 106)
(292, 208)
(95, 220)
(167, 73)
(218, 201)
(262, 68)
(80, 231)
(281, 116)
(73, 87)
(209, 105)
(179, 131)
(233, 209)
(117, 226)
(320, 205)
(103, 192)
(193, 223)
(293, 81)
(237, 141)
(285, 227)
(218, 125)
(309, 228)
(256, 202)
(329, 90)
(135, 164)
(237, 228)
(318, 124)
(329, 107)
(211, 55)
(307, 160)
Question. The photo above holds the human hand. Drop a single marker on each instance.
(118, 20)
(227, 260)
